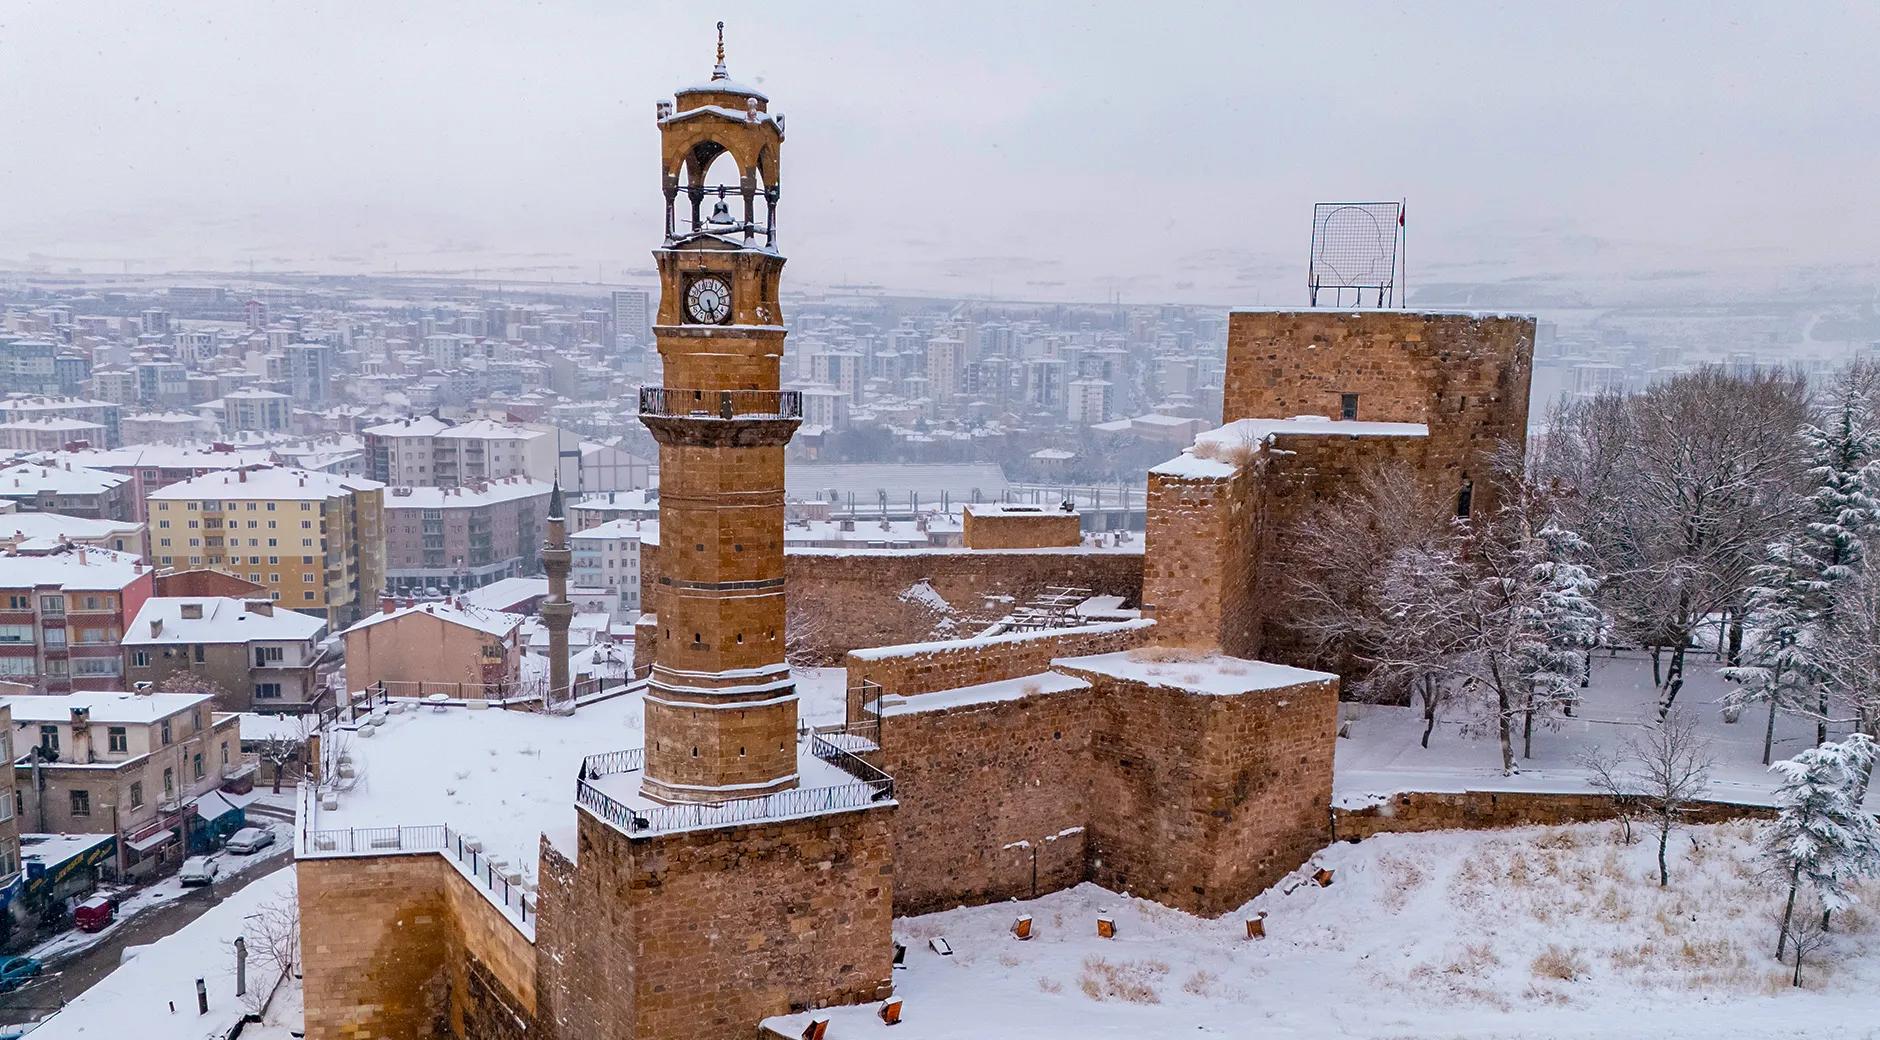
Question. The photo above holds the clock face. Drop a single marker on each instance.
(708, 301)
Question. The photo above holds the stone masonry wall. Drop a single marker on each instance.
(699, 935)
(1415, 811)
(1196, 800)
(1204, 801)
(994, 799)
(841, 601)
(904, 671)
(1200, 559)
(993, 528)
(1464, 375)
(401, 947)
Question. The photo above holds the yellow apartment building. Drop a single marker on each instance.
(316, 541)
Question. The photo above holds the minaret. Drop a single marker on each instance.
(721, 705)
(556, 611)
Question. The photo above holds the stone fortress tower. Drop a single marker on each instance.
(721, 709)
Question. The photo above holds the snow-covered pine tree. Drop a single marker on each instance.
(1780, 665)
(1842, 511)
(1822, 837)
(1557, 621)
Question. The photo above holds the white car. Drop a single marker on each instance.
(250, 840)
(197, 870)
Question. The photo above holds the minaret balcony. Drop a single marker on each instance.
(665, 402)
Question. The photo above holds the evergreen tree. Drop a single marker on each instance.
(1842, 512)
(1822, 837)
(1781, 666)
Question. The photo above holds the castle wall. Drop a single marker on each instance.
(845, 600)
(999, 527)
(1197, 800)
(989, 794)
(911, 669)
(1416, 811)
(842, 600)
(403, 947)
(699, 935)
(1205, 800)
(1464, 375)
(1201, 558)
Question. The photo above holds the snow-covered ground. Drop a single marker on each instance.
(1530, 932)
(505, 777)
(136, 1000)
(1382, 754)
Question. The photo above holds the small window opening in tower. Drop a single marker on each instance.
(1347, 406)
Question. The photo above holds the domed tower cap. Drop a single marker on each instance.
(721, 81)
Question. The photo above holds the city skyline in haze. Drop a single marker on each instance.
(1055, 152)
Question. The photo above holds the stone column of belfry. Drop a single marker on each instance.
(721, 708)
(556, 610)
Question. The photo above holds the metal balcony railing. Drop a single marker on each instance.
(679, 402)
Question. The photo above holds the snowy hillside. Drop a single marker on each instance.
(1530, 932)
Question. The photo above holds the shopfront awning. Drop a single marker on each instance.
(151, 841)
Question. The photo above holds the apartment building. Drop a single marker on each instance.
(608, 557)
(258, 411)
(72, 490)
(595, 510)
(315, 541)
(42, 532)
(435, 643)
(133, 765)
(427, 451)
(49, 433)
(260, 656)
(103, 413)
(62, 612)
(447, 539)
(10, 860)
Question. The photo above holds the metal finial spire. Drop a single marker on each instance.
(718, 71)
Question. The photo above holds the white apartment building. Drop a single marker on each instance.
(608, 557)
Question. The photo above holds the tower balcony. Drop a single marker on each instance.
(666, 402)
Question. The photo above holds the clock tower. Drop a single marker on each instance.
(721, 707)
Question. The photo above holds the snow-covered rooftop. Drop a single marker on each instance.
(52, 526)
(215, 619)
(1211, 455)
(491, 622)
(104, 706)
(506, 489)
(28, 478)
(984, 693)
(275, 482)
(77, 569)
(1208, 673)
(421, 426)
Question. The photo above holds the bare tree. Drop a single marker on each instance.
(1677, 490)
(1502, 612)
(1674, 771)
(1807, 933)
(272, 933)
(1339, 556)
(1607, 774)
(280, 749)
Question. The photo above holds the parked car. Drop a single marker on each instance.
(94, 914)
(197, 870)
(250, 840)
(15, 971)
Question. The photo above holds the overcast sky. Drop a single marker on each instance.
(1168, 151)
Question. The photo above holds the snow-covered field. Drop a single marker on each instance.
(1382, 754)
(1531, 932)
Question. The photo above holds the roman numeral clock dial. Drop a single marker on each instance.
(708, 301)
